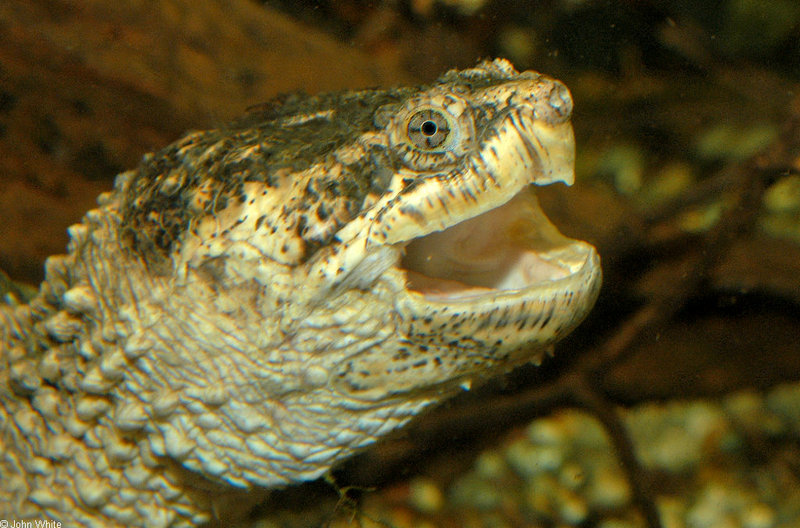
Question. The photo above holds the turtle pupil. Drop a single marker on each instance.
(429, 128)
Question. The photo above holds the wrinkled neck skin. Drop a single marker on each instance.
(130, 396)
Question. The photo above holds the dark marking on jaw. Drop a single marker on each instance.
(482, 170)
(503, 320)
(530, 148)
(443, 204)
(484, 323)
(413, 213)
(550, 311)
(469, 194)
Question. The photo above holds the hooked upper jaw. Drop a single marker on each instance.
(527, 142)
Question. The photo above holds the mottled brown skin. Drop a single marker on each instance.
(255, 304)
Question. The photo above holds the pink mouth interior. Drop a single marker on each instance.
(501, 249)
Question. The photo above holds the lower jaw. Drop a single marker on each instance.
(503, 325)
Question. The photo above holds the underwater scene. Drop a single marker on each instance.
(400, 263)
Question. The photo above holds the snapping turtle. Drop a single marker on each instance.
(254, 304)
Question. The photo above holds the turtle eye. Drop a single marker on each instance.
(428, 129)
(431, 131)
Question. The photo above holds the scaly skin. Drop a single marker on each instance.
(237, 314)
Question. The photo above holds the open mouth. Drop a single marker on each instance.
(511, 248)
